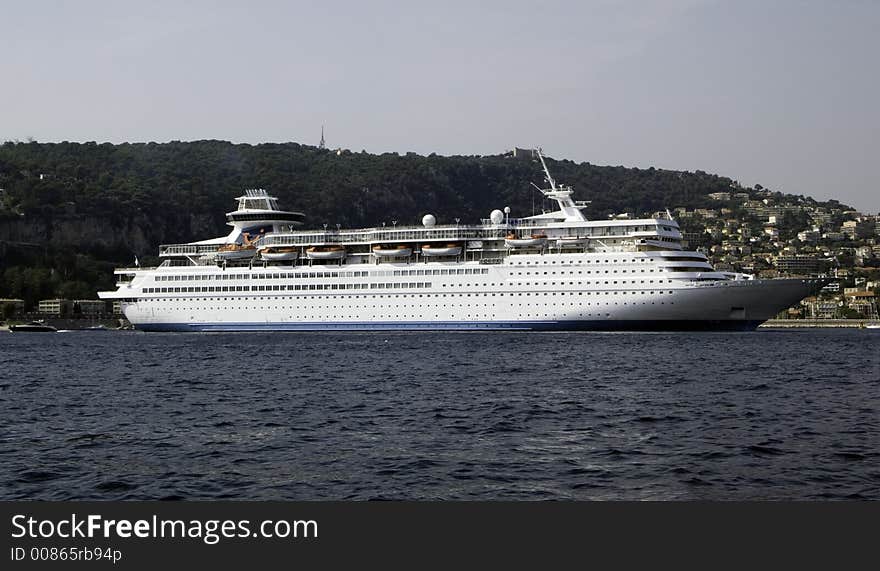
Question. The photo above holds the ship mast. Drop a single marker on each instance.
(562, 195)
(546, 171)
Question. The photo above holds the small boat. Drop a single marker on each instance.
(33, 327)
(236, 252)
(398, 252)
(512, 241)
(272, 254)
(873, 326)
(571, 241)
(326, 253)
(97, 328)
(448, 250)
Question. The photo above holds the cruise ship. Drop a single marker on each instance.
(552, 271)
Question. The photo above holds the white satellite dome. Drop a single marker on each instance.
(497, 217)
(428, 220)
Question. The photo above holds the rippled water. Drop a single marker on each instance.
(121, 415)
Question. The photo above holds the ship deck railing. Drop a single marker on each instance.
(452, 234)
(379, 235)
(187, 249)
(133, 269)
(397, 234)
(186, 262)
(514, 223)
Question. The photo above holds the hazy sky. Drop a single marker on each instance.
(780, 93)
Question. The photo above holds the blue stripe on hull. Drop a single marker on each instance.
(681, 325)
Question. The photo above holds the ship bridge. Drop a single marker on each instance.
(258, 211)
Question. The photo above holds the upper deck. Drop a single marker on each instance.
(662, 231)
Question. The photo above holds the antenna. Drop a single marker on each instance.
(570, 209)
(546, 170)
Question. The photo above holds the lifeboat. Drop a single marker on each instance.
(236, 251)
(398, 252)
(571, 241)
(436, 250)
(326, 253)
(273, 254)
(512, 241)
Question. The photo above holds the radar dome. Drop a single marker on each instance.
(428, 220)
(497, 217)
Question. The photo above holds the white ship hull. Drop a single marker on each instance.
(487, 297)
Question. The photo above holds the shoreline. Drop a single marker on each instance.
(115, 325)
(817, 323)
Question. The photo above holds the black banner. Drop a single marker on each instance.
(127, 535)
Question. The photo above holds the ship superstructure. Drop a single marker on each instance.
(552, 271)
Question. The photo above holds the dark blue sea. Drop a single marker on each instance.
(791, 414)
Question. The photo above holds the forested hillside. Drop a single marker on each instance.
(69, 212)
